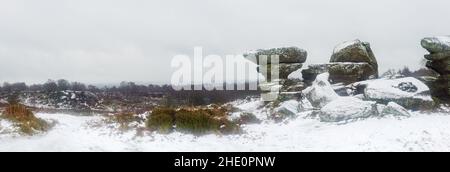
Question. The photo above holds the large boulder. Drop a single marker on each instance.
(340, 72)
(357, 52)
(286, 54)
(436, 44)
(439, 61)
(347, 108)
(407, 92)
(320, 93)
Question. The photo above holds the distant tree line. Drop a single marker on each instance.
(62, 85)
(133, 91)
(406, 72)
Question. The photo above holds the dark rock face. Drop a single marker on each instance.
(439, 61)
(285, 69)
(345, 73)
(407, 86)
(356, 52)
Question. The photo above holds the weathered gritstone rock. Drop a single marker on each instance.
(293, 85)
(440, 66)
(291, 59)
(407, 92)
(439, 61)
(436, 44)
(438, 56)
(351, 62)
(340, 72)
(286, 55)
(285, 69)
(357, 52)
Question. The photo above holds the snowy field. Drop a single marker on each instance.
(421, 132)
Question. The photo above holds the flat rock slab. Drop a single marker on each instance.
(285, 54)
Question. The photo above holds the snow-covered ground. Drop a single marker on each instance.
(421, 132)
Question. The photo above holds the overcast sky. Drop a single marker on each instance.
(101, 41)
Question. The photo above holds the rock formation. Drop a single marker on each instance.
(351, 62)
(439, 61)
(290, 59)
(408, 92)
(379, 97)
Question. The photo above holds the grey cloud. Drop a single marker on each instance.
(114, 40)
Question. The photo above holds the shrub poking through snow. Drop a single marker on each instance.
(197, 121)
(24, 119)
(162, 120)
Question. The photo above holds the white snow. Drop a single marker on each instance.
(387, 89)
(321, 92)
(347, 108)
(297, 74)
(421, 132)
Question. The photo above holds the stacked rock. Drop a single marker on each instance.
(290, 59)
(439, 61)
(351, 62)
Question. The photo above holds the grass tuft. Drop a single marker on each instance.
(24, 119)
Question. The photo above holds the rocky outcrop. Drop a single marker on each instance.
(439, 61)
(351, 62)
(340, 72)
(285, 54)
(290, 59)
(356, 52)
(407, 92)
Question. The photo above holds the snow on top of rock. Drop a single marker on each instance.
(395, 109)
(436, 44)
(322, 79)
(296, 75)
(321, 92)
(390, 89)
(346, 108)
(291, 105)
(439, 40)
(346, 44)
